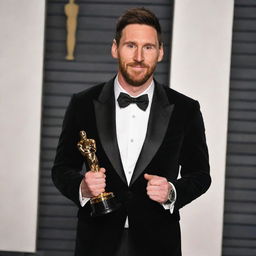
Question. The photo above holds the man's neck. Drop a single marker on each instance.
(131, 89)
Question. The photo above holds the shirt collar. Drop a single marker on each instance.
(118, 88)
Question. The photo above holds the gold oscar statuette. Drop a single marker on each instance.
(105, 202)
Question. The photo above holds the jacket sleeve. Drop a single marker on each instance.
(68, 161)
(194, 161)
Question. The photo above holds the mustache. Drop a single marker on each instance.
(137, 64)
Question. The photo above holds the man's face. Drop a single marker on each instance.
(138, 53)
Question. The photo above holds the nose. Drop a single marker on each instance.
(138, 55)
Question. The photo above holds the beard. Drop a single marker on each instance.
(133, 79)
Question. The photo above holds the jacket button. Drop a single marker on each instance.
(129, 195)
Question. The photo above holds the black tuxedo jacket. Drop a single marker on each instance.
(175, 138)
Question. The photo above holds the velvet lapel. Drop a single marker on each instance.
(160, 114)
(106, 125)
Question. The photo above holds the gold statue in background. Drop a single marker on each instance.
(105, 202)
(71, 11)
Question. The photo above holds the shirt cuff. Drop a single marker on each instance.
(170, 206)
(83, 200)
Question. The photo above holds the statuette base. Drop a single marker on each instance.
(103, 204)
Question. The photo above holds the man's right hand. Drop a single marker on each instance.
(93, 183)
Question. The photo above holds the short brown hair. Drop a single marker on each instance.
(137, 16)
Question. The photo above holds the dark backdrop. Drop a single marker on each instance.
(239, 236)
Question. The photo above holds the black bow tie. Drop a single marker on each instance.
(124, 100)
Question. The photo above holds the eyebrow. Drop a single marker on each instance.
(130, 42)
(133, 42)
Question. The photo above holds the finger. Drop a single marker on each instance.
(159, 197)
(96, 189)
(158, 181)
(158, 190)
(96, 181)
(97, 186)
(154, 182)
(99, 176)
(154, 179)
(100, 173)
(95, 175)
(164, 188)
(154, 188)
(156, 194)
(90, 183)
(153, 194)
(102, 170)
(149, 176)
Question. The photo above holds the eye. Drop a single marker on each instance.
(130, 45)
(149, 47)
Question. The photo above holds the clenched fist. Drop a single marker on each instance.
(158, 188)
(93, 183)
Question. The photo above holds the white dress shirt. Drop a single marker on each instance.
(131, 129)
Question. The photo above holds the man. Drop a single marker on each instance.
(141, 145)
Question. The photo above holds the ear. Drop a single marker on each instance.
(114, 49)
(161, 53)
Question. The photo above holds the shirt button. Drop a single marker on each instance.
(129, 172)
(131, 140)
(133, 116)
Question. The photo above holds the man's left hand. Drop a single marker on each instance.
(158, 188)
